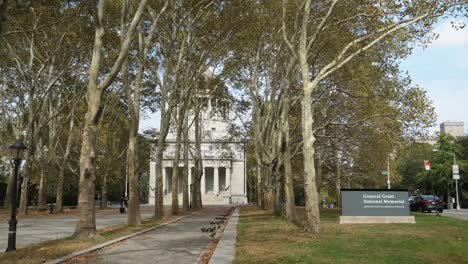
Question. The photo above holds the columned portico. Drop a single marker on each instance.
(165, 190)
(216, 183)
(223, 156)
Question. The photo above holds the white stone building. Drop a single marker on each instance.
(455, 129)
(224, 164)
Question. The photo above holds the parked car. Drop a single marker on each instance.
(426, 203)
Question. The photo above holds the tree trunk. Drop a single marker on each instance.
(312, 221)
(41, 195)
(259, 185)
(185, 187)
(3, 4)
(338, 179)
(23, 206)
(197, 195)
(159, 194)
(290, 206)
(59, 194)
(291, 214)
(289, 186)
(134, 217)
(269, 187)
(449, 200)
(7, 201)
(175, 163)
(86, 222)
(104, 191)
(133, 104)
(64, 163)
(278, 182)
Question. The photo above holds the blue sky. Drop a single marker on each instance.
(442, 69)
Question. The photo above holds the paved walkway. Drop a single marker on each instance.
(226, 248)
(35, 230)
(180, 242)
(460, 214)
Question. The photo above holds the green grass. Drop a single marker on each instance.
(264, 238)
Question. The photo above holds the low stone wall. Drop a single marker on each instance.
(376, 220)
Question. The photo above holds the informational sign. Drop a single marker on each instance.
(374, 202)
(456, 176)
(455, 169)
(384, 172)
(427, 165)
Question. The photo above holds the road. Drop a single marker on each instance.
(39, 229)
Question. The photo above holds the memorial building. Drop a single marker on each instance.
(224, 164)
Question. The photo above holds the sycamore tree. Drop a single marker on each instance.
(98, 83)
(370, 23)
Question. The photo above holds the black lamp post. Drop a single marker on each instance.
(17, 153)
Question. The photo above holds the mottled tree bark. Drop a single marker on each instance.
(64, 163)
(338, 179)
(312, 223)
(185, 187)
(41, 195)
(86, 221)
(286, 155)
(7, 203)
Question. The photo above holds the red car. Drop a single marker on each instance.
(427, 203)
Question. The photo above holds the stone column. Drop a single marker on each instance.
(228, 179)
(164, 180)
(189, 179)
(152, 182)
(216, 180)
(202, 181)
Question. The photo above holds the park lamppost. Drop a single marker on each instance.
(17, 153)
(456, 176)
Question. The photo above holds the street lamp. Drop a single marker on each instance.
(17, 154)
(456, 180)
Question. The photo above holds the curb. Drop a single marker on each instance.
(108, 243)
(226, 248)
(218, 236)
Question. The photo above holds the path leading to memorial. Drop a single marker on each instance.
(180, 242)
(43, 228)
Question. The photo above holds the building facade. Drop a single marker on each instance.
(455, 129)
(224, 163)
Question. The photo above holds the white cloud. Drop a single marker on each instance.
(450, 37)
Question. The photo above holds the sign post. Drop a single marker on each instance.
(456, 177)
(375, 206)
(427, 165)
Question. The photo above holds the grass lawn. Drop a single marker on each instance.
(49, 250)
(263, 238)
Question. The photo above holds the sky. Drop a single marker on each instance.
(442, 69)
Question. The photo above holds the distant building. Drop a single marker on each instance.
(429, 139)
(455, 129)
(224, 163)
